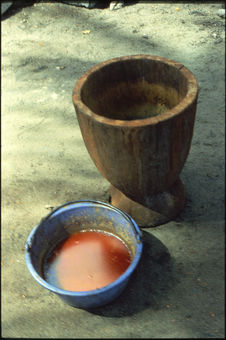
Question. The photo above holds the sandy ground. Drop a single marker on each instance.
(177, 290)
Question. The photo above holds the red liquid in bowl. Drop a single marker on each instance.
(87, 260)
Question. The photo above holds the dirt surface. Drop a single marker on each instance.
(177, 290)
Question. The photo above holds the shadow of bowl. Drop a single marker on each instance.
(148, 284)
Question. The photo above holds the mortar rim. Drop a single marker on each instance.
(186, 102)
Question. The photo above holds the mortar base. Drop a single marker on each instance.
(163, 207)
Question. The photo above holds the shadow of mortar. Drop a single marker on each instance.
(204, 191)
(148, 284)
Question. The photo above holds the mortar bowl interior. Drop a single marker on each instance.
(134, 88)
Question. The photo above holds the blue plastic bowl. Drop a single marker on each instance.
(76, 216)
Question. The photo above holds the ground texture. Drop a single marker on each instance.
(177, 290)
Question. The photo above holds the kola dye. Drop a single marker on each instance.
(87, 260)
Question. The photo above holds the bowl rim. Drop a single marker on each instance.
(125, 276)
(188, 100)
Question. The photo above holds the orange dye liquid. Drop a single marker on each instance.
(87, 260)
